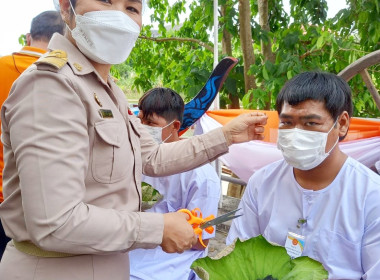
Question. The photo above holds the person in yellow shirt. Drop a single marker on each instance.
(42, 29)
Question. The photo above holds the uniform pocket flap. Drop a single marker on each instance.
(135, 122)
(110, 132)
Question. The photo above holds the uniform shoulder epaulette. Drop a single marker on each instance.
(56, 59)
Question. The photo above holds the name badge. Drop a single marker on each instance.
(294, 244)
(105, 113)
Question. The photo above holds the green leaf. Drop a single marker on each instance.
(265, 73)
(289, 74)
(256, 258)
(320, 42)
(302, 40)
(22, 40)
(246, 101)
(291, 39)
(149, 194)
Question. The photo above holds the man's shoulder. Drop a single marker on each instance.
(206, 171)
(273, 168)
(271, 172)
(18, 62)
(5, 58)
(6, 61)
(354, 168)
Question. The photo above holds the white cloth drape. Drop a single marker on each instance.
(244, 159)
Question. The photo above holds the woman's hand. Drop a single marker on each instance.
(178, 233)
(245, 127)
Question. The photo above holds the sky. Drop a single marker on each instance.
(16, 16)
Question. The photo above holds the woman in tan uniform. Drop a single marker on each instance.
(74, 155)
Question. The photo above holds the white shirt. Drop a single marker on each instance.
(197, 188)
(343, 220)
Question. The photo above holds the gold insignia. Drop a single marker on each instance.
(97, 100)
(56, 58)
(78, 66)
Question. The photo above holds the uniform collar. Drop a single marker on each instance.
(77, 61)
(31, 51)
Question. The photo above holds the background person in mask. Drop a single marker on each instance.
(161, 110)
(43, 26)
(74, 155)
(328, 199)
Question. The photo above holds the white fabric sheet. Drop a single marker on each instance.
(245, 159)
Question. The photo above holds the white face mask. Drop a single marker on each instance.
(156, 132)
(106, 37)
(303, 149)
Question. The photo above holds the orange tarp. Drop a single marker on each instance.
(359, 128)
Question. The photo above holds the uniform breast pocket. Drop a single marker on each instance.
(340, 254)
(112, 156)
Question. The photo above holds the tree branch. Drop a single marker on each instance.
(308, 53)
(197, 41)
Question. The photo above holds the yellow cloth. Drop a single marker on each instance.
(11, 67)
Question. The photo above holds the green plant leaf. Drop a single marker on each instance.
(302, 39)
(255, 259)
(320, 42)
(265, 73)
(149, 194)
(306, 268)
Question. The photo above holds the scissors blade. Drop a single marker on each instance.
(218, 220)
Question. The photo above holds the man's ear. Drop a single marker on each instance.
(343, 124)
(28, 39)
(177, 125)
(140, 115)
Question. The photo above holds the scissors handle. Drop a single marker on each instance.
(195, 220)
(194, 216)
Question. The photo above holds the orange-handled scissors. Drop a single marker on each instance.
(199, 223)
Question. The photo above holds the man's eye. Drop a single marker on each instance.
(285, 123)
(311, 124)
(133, 10)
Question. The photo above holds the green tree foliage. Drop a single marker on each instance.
(22, 40)
(180, 54)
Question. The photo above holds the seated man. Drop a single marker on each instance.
(317, 195)
(161, 110)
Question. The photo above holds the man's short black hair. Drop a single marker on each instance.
(164, 102)
(45, 25)
(328, 88)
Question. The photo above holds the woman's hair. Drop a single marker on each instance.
(328, 88)
(163, 102)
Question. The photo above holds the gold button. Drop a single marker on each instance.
(78, 66)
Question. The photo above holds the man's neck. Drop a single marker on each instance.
(324, 174)
(40, 44)
(174, 138)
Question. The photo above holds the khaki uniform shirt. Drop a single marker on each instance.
(11, 67)
(73, 163)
